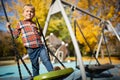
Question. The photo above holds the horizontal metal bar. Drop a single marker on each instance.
(79, 9)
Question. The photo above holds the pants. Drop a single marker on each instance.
(34, 54)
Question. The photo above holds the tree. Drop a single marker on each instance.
(6, 47)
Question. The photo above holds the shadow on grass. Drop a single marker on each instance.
(6, 74)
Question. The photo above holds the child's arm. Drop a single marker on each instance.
(15, 32)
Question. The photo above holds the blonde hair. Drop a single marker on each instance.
(29, 5)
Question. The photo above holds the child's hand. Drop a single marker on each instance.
(8, 26)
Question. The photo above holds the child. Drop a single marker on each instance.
(32, 40)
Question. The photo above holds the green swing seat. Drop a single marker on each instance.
(53, 75)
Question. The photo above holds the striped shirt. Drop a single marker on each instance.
(30, 34)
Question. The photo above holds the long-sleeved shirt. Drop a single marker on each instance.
(29, 32)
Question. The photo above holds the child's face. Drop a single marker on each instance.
(28, 13)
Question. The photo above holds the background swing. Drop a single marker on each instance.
(99, 68)
(95, 69)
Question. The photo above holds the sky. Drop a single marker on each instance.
(3, 23)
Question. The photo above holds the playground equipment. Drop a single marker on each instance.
(58, 47)
(99, 68)
(95, 69)
(58, 7)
